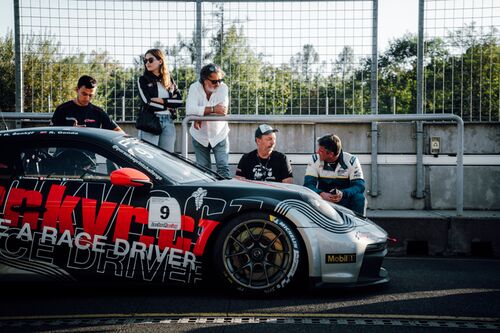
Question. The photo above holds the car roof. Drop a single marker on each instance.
(57, 132)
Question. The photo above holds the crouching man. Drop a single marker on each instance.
(336, 175)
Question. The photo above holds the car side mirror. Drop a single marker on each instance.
(130, 177)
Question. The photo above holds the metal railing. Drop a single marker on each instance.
(374, 119)
(351, 119)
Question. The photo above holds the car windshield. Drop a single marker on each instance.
(169, 166)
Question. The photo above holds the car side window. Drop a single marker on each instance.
(65, 162)
(7, 164)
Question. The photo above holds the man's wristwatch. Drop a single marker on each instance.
(213, 109)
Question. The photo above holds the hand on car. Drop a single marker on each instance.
(332, 197)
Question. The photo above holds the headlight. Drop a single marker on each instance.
(322, 206)
(376, 247)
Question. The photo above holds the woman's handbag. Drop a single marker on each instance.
(147, 121)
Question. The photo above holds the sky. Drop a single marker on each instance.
(396, 17)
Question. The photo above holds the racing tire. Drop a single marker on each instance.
(257, 254)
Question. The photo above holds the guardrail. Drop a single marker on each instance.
(349, 119)
(311, 120)
(25, 115)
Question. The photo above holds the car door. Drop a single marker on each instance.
(60, 215)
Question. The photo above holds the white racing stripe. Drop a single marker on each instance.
(285, 206)
(47, 270)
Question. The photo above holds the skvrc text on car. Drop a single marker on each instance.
(78, 204)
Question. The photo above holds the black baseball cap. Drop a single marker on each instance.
(264, 129)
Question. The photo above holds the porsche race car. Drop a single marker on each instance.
(82, 203)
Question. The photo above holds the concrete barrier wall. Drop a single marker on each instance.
(396, 160)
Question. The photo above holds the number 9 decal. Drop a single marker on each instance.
(164, 213)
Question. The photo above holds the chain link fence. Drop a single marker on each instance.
(280, 57)
(462, 58)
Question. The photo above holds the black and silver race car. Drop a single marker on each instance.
(78, 204)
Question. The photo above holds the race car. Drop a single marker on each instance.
(81, 204)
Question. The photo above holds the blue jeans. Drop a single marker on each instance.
(221, 154)
(166, 140)
(356, 203)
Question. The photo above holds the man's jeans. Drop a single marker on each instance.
(166, 139)
(221, 154)
(356, 203)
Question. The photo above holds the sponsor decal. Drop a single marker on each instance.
(130, 154)
(23, 133)
(340, 258)
(78, 233)
(342, 173)
(164, 213)
(67, 132)
(198, 196)
(123, 258)
(296, 253)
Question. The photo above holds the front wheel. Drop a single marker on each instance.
(257, 253)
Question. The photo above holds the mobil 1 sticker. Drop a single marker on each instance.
(164, 213)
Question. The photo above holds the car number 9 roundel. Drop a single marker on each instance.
(164, 213)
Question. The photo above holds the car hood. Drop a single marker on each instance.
(365, 226)
(269, 185)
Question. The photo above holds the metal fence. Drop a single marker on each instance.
(462, 58)
(281, 57)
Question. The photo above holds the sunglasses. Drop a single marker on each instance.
(150, 60)
(215, 81)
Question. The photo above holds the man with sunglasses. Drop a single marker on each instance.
(336, 175)
(209, 96)
(80, 112)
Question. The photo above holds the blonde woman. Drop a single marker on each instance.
(160, 95)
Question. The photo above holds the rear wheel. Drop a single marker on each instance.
(257, 253)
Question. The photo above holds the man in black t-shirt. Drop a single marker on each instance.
(264, 163)
(80, 112)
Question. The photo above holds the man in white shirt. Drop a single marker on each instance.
(209, 96)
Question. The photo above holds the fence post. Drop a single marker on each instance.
(18, 59)
(419, 192)
(374, 101)
(199, 55)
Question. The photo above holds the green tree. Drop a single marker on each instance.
(304, 86)
(398, 75)
(475, 74)
(243, 69)
(277, 88)
(7, 73)
(303, 63)
(344, 84)
(48, 79)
